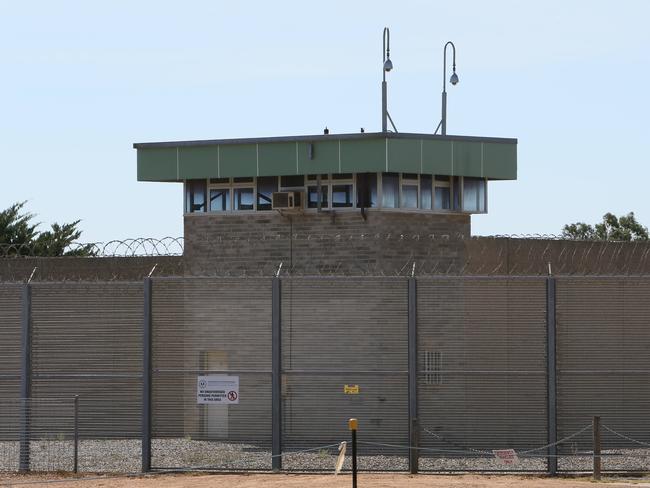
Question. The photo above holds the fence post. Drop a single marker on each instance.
(25, 377)
(76, 434)
(551, 374)
(596, 440)
(146, 378)
(276, 375)
(353, 425)
(413, 376)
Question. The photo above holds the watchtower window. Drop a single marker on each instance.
(195, 196)
(243, 199)
(266, 185)
(219, 199)
(390, 190)
(473, 194)
(442, 193)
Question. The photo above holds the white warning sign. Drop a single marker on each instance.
(507, 457)
(217, 390)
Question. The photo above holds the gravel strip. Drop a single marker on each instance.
(123, 456)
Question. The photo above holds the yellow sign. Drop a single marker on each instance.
(351, 389)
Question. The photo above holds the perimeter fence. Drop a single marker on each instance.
(262, 373)
(329, 254)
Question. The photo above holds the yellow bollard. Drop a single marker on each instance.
(352, 425)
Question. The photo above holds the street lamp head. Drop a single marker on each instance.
(388, 65)
(454, 79)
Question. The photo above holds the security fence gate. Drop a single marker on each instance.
(263, 373)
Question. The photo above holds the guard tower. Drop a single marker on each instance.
(267, 192)
(330, 202)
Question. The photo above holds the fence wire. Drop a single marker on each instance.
(37, 434)
(482, 372)
(338, 254)
(139, 246)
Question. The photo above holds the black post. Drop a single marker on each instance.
(276, 376)
(25, 377)
(76, 434)
(353, 424)
(146, 378)
(413, 376)
(596, 439)
(551, 375)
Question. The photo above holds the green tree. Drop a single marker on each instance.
(612, 228)
(19, 236)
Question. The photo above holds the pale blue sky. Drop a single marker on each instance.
(81, 81)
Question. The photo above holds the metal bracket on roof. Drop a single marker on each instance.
(391, 122)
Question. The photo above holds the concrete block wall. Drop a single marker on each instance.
(311, 243)
(19, 269)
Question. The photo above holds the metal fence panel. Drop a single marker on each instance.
(10, 366)
(481, 371)
(10, 345)
(51, 442)
(339, 335)
(86, 341)
(603, 367)
(211, 327)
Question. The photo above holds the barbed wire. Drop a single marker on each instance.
(361, 254)
(133, 247)
(414, 254)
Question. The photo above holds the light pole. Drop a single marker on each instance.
(387, 66)
(453, 80)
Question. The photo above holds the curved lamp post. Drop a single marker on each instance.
(453, 80)
(387, 66)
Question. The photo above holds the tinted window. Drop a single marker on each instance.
(425, 191)
(442, 198)
(312, 197)
(342, 196)
(292, 181)
(409, 196)
(266, 185)
(473, 194)
(390, 190)
(367, 190)
(243, 198)
(219, 199)
(195, 196)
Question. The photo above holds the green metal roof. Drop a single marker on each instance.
(488, 157)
